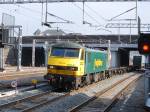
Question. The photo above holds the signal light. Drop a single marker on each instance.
(144, 44)
(145, 47)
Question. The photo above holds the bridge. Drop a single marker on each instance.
(84, 39)
(92, 41)
(114, 47)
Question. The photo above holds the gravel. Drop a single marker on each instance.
(76, 98)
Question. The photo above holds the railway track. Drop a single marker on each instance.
(35, 102)
(10, 92)
(103, 100)
(30, 103)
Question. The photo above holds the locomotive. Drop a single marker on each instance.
(71, 65)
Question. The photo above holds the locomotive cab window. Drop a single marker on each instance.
(65, 52)
(57, 52)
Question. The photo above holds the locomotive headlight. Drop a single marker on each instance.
(50, 67)
(74, 68)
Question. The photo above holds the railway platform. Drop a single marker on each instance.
(132, 100)
(25, 76)
(12, 73)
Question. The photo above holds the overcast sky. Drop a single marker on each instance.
(30, 16)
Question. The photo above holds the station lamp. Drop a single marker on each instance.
(144, 43)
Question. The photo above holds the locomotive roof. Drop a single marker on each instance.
(96, 50)
(68, 45)
(75, 45)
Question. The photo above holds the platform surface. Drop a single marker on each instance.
(12, 73)
(132, 101)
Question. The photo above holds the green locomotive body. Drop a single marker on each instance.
(95, 61)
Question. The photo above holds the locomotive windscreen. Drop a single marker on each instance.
(65, 52)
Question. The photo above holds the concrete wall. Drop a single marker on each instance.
(10, 56)
(115, 62)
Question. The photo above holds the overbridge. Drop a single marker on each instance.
(92, 41)
(115, 47)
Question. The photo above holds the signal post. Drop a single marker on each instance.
(144, 49)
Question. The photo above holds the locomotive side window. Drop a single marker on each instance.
(89, 57)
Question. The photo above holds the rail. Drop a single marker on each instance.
(105, 91)
(33, 101)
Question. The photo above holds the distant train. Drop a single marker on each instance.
(137, 62)
(71, 65)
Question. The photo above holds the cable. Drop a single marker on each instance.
(46, 5)
(42, 8)
(68, 30)
(96, 13)
(42, 12)
(67, 21)
(83, 12)
(123, 20)
(122, 13)
(23, 15)
(88, 15)
(104, 30)
(33, 18)
(36, 11)
(27, 8)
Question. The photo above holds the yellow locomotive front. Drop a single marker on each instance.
(65, 63)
